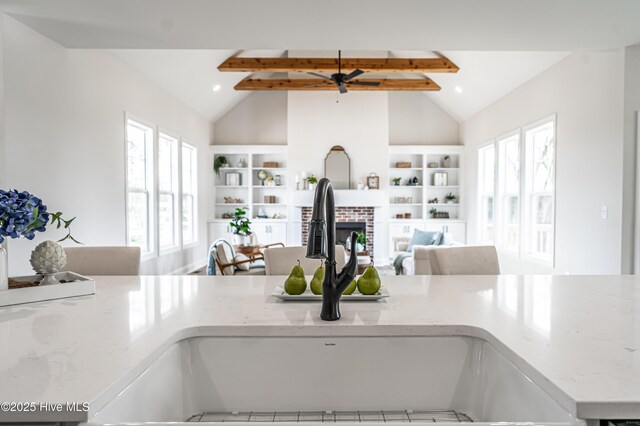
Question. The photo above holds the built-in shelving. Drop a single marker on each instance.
(426, 163)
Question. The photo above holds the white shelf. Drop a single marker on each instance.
(251, 191)
(420, 155)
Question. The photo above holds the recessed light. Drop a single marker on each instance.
(458, 89)
(216, 87)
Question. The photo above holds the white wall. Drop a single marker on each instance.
(3, 153)
(414, 119)
(64, 126)
(631, 107)
(359, 122)
(259, 119)
(586, 92)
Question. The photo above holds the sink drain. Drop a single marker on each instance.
(402, 416)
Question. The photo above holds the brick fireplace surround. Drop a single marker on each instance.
(344, 214)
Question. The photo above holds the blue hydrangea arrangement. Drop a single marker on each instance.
(23, 214)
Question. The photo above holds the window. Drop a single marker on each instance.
(486, 192)
(509, 190)
(520, 204)
(540, 184)
(189, 193)
(167, 191)
(139, 185)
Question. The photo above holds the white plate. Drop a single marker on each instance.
(308, 296)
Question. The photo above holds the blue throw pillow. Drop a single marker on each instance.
(424, 238)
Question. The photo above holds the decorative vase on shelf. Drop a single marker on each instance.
(4, 266)
(312, 186)
(47, 259)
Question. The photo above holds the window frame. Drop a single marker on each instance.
(481, 195)
(194, 180)
(525, 227)
(176, 193)
(150, 187)
(528, 233)
(500, 192)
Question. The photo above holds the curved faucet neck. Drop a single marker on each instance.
(324, 210)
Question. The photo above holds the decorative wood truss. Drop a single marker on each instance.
(330, 66)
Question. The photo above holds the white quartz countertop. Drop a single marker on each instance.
(578, 337)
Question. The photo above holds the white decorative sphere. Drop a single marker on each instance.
(48, 258)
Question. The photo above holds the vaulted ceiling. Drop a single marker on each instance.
(498, 44)
(483, 77)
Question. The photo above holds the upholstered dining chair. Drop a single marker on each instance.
(280, 261)
(223, 259)
(91, 261)
(464, 260)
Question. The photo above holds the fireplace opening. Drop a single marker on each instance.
(344, 230)
(358, 219)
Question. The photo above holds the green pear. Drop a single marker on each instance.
(351, 288)
(296, 283)
(316, 281)
(369, 283)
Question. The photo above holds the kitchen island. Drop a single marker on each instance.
(577, 337)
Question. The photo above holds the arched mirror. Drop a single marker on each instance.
(337, 168)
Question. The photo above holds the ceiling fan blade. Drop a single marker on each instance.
(342, 88)
(364, 83)
(321, 76)
(353, 74)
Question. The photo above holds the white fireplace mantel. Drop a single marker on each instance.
(344, 198)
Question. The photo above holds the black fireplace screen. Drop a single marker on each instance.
(344, 230)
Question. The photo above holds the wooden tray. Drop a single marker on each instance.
(76, 285)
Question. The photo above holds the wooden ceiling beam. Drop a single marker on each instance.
(329, 65)
(421, 84)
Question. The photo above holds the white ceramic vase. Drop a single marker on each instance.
(312, 187)
(4, 266)
(242, 240)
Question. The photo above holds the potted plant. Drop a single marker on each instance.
(433, 211)
(361, 241)
(450, 198)
(396, 181)
(218, 163)
(312, 181)
(240, 225)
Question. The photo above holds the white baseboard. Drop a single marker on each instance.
(189, 268)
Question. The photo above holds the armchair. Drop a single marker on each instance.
(223, 258)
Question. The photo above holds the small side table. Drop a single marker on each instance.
(250, 251)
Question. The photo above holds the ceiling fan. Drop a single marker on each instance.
(340, 79)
